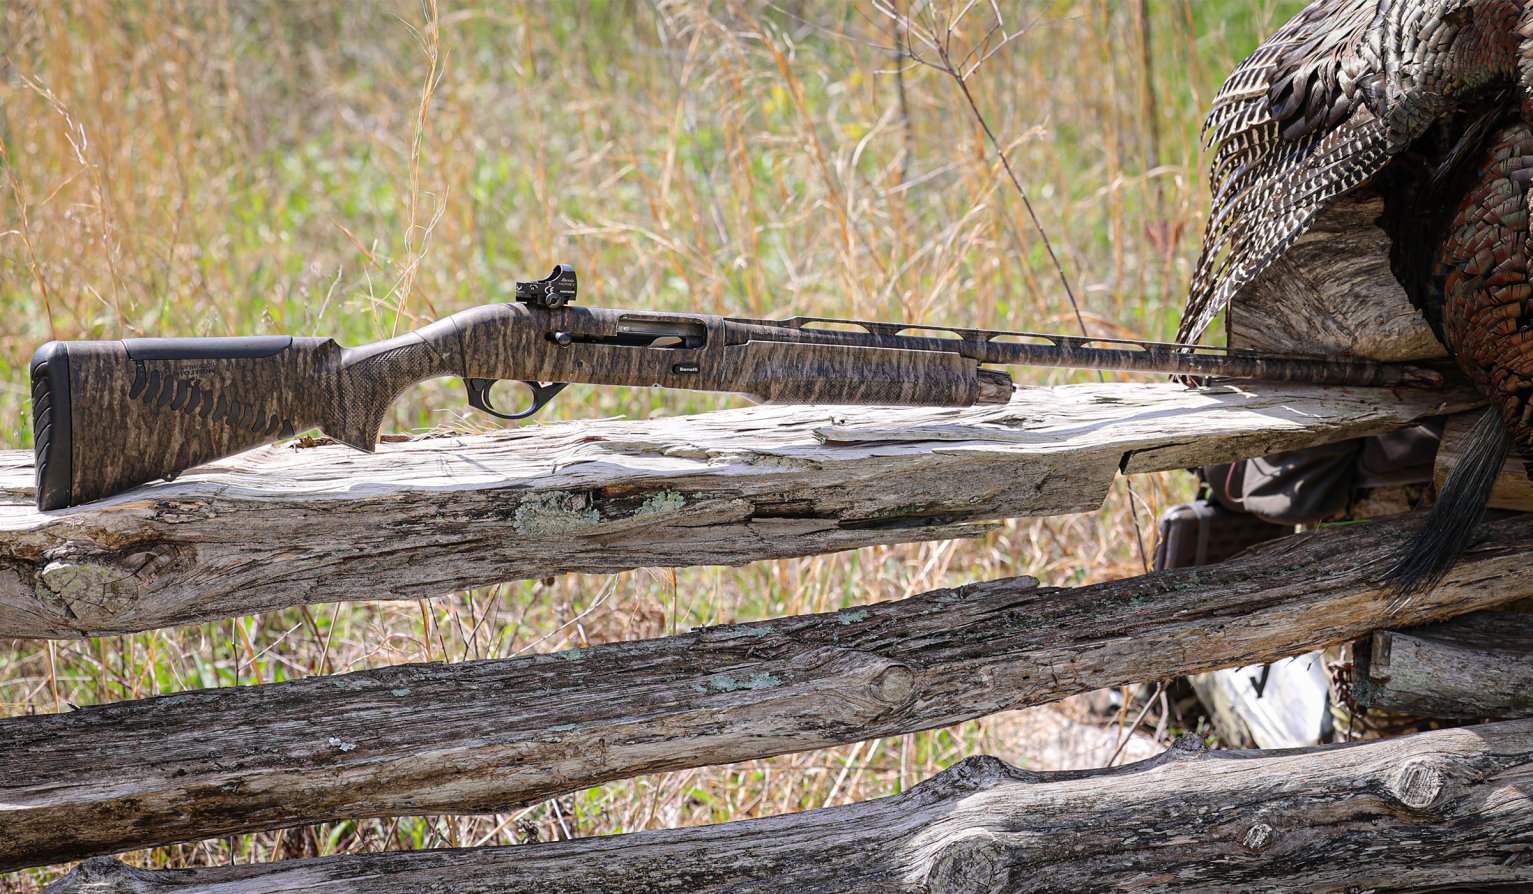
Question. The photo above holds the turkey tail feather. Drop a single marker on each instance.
(1437, 545)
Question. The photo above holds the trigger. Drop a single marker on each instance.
(542, 394)
(479, 394)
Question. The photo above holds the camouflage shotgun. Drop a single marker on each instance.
(109, 415)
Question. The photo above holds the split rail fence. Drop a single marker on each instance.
(425, 517)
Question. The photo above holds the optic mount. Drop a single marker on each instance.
(552, 291)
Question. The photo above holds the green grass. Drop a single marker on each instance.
(241, 168)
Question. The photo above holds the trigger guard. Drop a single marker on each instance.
(542, 394)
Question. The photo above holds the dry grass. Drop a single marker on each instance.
(359, 169)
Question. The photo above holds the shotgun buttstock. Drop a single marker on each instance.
(109, 415)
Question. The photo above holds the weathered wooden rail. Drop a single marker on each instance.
(424, 518)
(1475, 667)
(1445, 810)
(483, 736)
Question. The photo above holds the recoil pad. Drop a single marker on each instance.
(51, 442)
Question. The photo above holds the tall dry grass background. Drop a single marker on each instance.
(358, 169)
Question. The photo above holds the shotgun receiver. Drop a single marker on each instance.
(109, 415)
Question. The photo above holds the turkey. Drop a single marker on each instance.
(1423, 102)
(1481, 301)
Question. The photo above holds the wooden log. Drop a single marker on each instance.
(1475, 667)
(484, 736)
(421, 519)
(1440, 810)
(1333, 292)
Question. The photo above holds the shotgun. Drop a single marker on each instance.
(110, 415)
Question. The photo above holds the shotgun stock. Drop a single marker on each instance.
(110, 415)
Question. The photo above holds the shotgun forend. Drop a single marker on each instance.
(110, 415)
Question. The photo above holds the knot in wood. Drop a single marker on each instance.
(894, 685)
(973, 863)
(1258, 837)
(972, 774)
(92, 592)
(854, 685)
(105, 873)
(1188, 745)
(1418, 784)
